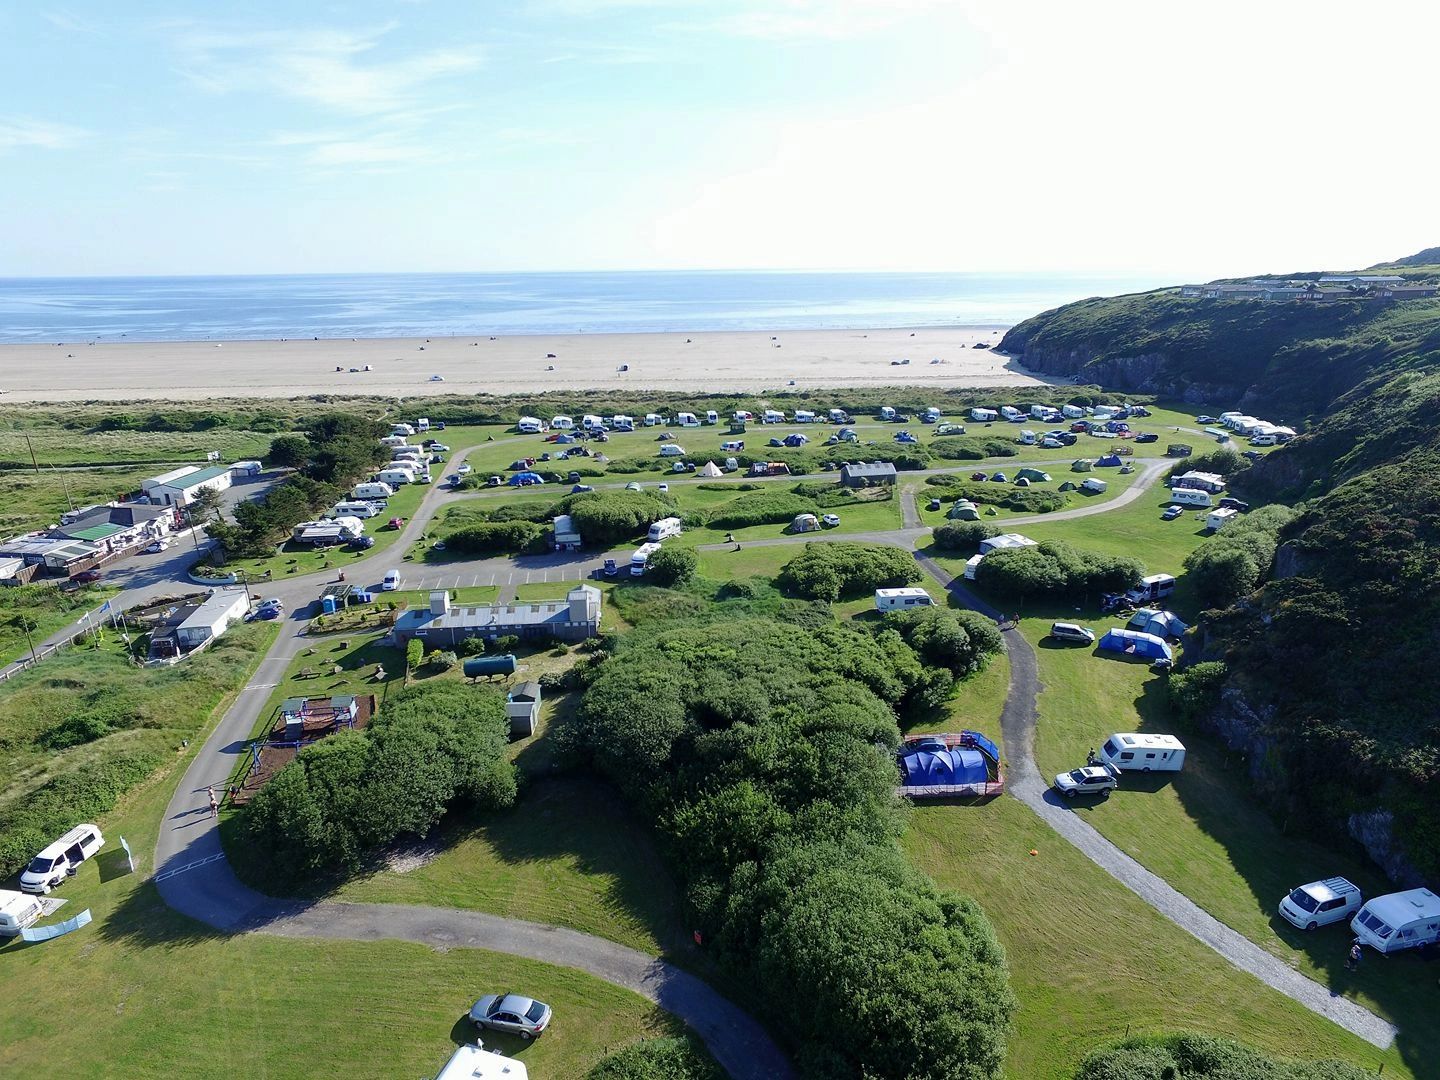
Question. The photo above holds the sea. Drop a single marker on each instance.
(410, 305)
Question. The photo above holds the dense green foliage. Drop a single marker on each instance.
(606, 518)
(1055, 570)
(962, 641)
(1202, 1057)
(760, 508)
(828, 571)
(658, 1059)
(434, 746)
(972, 447)
(1224, 460)
(963, 536)
(671, 565)
(1195, 691)
(496, 537)
(1233, 562)
(1024, 500)
(766, 757)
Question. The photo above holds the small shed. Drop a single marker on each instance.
(1082, 465)
(522, 706)
(1136, 643)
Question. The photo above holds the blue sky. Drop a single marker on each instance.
(577, 134)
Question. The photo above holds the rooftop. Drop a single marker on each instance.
(196, 478)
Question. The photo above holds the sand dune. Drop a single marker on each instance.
(718, 362)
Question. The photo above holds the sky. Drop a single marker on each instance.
(259, 136)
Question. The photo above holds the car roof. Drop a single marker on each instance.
(517, 1003)
(1330, 888)
(58, 847)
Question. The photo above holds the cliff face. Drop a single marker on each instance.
(1146, 373)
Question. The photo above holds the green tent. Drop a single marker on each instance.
(965, 510)
(1035, 476)
(1081, 465)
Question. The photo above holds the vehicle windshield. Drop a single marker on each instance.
(40, 866)
(535, 1012)
(1303, 900)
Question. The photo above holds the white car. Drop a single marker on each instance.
(663, 487)
(157, 546)
(391, 582)
(464, 470)
(436, 378)
(1320, 903)
(1090, 780)
(58, 860)
(830, 520)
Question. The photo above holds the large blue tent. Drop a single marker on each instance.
(1135, 643)
(1109, 461)
(931, 768)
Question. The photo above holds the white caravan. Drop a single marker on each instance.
(1143, 752)
(1401, 920)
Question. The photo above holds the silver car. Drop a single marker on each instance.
(512, 1013)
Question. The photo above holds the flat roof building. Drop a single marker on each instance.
(179, 486)
(864, 474)
(574, 618)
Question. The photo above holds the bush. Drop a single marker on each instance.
(1234, 562)
(498, 537)
(962, 642)
(414, 654)
(672, 565)
(1026, 500)
(1196, 690)
(505, 643)
(442, 660)
(606, 518)
(1055, 570)
(1188, 1056)
(972, 447)
(471, 646)
(761, 508)
(827, 571)
(658, 1059)
(963, 536)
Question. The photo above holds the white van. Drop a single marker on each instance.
(1263, 440)
(1401, 920)
(1320, 903)
(687, 419)
(1189, 497)
(391, 581)
(672, 450)
(1140, 752)
(901, 599)
(17, 911)
(51, 866)
(372, 490)
(1154, 587)
(641, 558)
(664, 529)
(354, 509)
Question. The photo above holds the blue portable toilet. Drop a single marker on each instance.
(327, 605)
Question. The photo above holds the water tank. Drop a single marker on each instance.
(479, 666)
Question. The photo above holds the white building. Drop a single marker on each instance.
(180, 486)
(212, 618)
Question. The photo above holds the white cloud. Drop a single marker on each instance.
(17, 132)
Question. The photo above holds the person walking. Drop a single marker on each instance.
(214, 802)
(1352, 962)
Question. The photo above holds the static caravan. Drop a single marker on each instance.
(641, 557)
(423, 424)
(711, 416)
(983, 416)
(1218, 519)
(887, 412)
(530, 425)
(1009, 412)
(1402, 920)
(838, 416)
(972, 566)
(804, 416)
(562, 423)
(664, 529)
(1189, 497)
(1093, 484)
(687, 419)
(621, 422)
(1143, 752)
(1027, 437)
(654, 419)
(901, 599)
(772, 416)
(372, 490)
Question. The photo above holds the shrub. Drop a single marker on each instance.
(963, 536)
(960, 641)
(1187, 1056)
(605, 518)
(1196, 690)
(414, 654)
(972, 447)
(1054, 569)
(1234, 562)
(761, 508)
(658, 1059)
(471, 646)
(505, 643)
(495, 537)
(442, 660)
(672, 565)
(827, 571)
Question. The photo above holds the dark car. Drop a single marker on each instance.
(360, 543)
(1147, 436)
(1233, 504)
(934, 504)
(88, 577)
(1171, 513)
(1067, 438)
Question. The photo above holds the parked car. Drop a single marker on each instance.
(362, 543)
(1253, 455)
(633, 485)
(59, 859)
(1320, 903)
(934, 504)
(830, 520)
(1072, 634)
(1206, 420)
(580, 489)
(662, 488)
(512, 1013)
(1146, 437)
(439, 448)
(155, 547)
(1171, 513)
(977, 476)
(1228, 503)
(464, 469)
(610, 569)
(88, 577)
(270, 609)
(1090, 780)
(391, 581)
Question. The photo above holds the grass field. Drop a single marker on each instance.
(1090, 961)
(1203, 832)
(50, 609)
(162, 996)
(30, 501)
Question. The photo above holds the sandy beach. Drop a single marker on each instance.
(715, 362)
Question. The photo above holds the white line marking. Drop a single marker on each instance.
(188, 866)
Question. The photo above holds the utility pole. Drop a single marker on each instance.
(64, 481)
(32, 455)
(24, 621)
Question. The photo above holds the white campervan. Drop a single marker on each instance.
(641, 557)
(17, 911)
(372, 490)
(1154, 587)
(1320, 903)
(51, 866)
(1189, 497)
(1401, 920)
(1142, 752)
(687, 419)
(664, 529)
(670, 449)
(901, 599)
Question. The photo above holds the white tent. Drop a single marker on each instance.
(711, 470)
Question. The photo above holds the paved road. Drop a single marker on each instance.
(1024, 782)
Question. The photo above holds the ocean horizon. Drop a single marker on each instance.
(262, 307)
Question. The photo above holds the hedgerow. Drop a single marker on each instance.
(827, 571)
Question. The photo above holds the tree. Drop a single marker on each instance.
(672, 565)
(830, 570)
(289, 451)
(414, 655)
(204, 504)
(963, 536)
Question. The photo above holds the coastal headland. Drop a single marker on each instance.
(717, 362)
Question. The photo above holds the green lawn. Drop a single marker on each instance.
(1203, 832)
(30, 501)
(49, 607)
(56, 445)
(1090, 961)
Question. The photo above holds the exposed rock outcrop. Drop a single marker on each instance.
(1374, 830)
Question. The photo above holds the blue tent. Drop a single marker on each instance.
(1135, 643)
(1109, 461)
(931, 768)
(524, 479)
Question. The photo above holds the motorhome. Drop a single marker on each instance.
(1009, 412)
(356, 508)
(887, 412)
(1401, 920)
(1154, 587)
(983, 416)
(838, 416)
(641, 557)
(687, 419)
(530, 425)
(17, 911)
(664, 529)
(672, 450)
(654, 420)
(1182, 496)
(901, 599)
(372, 490)
(804, 416)
(58, 860)
(562, 423)
(1143, 752)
